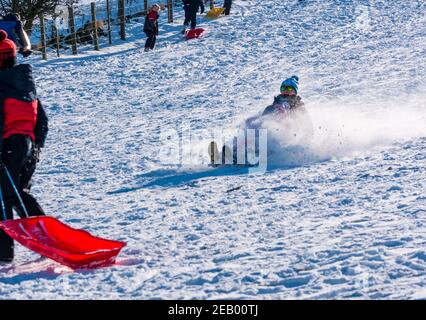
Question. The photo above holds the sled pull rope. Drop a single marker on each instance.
(3, 208)
(17, 193)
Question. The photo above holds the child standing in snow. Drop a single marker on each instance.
(23, 130)
(151, 27)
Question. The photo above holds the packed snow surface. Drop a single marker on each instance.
(343, 216)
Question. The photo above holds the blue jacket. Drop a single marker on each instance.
(15, 31)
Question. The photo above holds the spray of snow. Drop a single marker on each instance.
(342, 129)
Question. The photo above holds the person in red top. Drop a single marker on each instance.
(23, 130)
(151, 27)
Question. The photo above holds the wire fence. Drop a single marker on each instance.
(58, 38)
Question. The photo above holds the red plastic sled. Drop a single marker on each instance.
(51, 238)
(194, 33)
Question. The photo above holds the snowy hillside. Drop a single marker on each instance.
(342, 217)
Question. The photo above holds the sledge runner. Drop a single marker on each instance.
(287, 107)
(23, 128)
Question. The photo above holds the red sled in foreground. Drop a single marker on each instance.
(51, 238)
(194, 33)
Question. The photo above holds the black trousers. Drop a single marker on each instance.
(33, 207)
(16, 153)
(227, 5)
(151, 39)
(190, 18)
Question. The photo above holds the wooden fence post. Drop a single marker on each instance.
(57, 40)
(71, 24)
(43, 37)
(122, 19)
(95, 26)
(109, 21)
(170, 10)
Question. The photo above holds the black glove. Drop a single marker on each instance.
(202, 10)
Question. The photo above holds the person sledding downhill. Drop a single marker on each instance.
(287, 108)
(288, 101)
(191, 8)
(23, 130)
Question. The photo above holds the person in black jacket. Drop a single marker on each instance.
(191, 8)
(151, 27)
(12, 24)
(23, 131)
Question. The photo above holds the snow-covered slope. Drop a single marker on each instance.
(344, 218)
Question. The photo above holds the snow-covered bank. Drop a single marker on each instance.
(351, 225)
